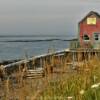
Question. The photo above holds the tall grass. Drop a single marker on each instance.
(76, 86)
(81, 84)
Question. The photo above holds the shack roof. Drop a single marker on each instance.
(89, 14)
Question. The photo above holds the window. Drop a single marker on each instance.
(86, 37)
(91, 21)
(96, 36)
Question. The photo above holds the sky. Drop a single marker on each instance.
(40, 17)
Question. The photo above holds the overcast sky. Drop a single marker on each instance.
(43, 16)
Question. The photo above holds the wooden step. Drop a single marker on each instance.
(35, 73)
(34, 77)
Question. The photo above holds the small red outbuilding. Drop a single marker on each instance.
(89, 30)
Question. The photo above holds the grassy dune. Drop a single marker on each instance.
(80, 84)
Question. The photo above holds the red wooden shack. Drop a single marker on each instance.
(89, 30)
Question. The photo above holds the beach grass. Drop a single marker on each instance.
(75, 85)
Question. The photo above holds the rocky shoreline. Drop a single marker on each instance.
(5, 62)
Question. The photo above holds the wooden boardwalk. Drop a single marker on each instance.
(50, 60)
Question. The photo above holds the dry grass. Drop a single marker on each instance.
(76, 86)
(60, 84)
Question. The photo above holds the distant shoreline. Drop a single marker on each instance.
(40, 40)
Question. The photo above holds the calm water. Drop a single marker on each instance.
(14, 47)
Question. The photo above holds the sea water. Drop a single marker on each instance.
(15, 47)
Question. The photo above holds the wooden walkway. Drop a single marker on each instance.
(67, 57)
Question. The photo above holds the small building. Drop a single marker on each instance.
(89, 31)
